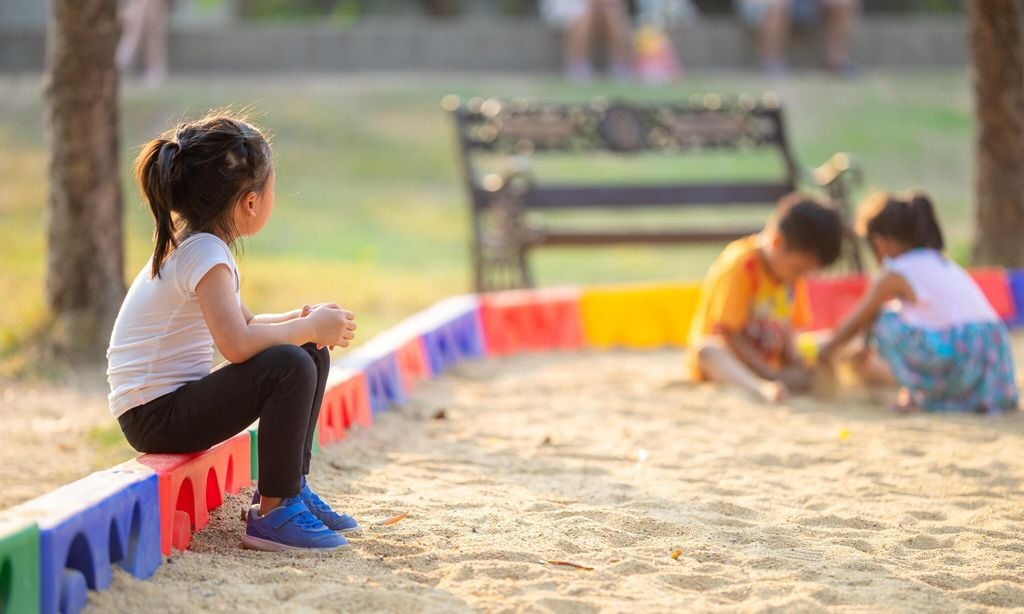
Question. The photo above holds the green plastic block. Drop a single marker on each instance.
(254, 457)
(19, 566)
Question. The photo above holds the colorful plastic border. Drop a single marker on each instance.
(56, 546)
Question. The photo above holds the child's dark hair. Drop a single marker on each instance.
(810, 224)
(909, 218)
(191, 177)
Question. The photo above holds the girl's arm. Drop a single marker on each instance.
(270, 318)
(884, 288)
(239, 340)
(748, 355)
(276, 318)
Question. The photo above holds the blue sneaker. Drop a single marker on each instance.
(336, 522)
(343, 523)
(289, 526)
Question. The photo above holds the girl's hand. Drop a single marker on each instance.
(306, 309)
(332, 325)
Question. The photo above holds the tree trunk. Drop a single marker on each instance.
(998, 74)
(85, 259)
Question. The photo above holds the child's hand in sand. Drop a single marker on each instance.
(774, 391)
(797, 378)
(827, 352)
(332, 325)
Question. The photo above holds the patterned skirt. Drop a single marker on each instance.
(966, 368)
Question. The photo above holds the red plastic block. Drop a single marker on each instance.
(193, 484)
(346, 402)
(413, 365)
(531, 320)
(995, 285)
(832, 298)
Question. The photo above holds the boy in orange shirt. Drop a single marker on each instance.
(754, 296)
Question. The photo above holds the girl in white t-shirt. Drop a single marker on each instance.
(208, 183)
(936, 331)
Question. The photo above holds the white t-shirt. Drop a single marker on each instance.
(160, 340)
(946, 295)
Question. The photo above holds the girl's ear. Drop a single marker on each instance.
(247, 203)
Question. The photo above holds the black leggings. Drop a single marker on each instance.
(283, 386)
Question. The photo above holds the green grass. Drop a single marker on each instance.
(371, 210)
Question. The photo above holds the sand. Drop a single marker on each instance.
(608, 460)
(52, 434)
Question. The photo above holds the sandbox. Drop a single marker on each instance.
(610, 461)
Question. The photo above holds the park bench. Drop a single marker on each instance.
(506, 201)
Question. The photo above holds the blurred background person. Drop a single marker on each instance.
(144, 22)
(655, 58)
(772, 20)
(581, 21)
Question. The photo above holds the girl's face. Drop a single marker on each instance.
(255, 209)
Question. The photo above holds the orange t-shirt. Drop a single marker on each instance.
(740, 294)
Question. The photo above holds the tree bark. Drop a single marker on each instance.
(998, 75)
(85, 256)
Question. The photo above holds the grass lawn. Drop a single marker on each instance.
(371, 211)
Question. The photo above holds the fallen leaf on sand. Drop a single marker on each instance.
(675, 555)
(393, 519)
(568, 564)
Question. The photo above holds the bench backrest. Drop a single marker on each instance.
(523, 127)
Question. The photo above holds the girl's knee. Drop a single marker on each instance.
(291, 358)
(321, 356)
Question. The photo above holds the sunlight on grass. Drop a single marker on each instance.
(108, 446)
(371, 210)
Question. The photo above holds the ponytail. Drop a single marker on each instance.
(926, 227)
(909, 218)
(153, 173)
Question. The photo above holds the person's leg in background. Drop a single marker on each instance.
(575, 20)
(155, 32)
(133, 14)
(773, 35)
(770, 20)
(840, 16)
(615, 20)
(579, 36)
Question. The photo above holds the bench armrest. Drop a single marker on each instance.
(837, 174)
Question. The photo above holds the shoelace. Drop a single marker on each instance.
(307, 520)
(319, 503)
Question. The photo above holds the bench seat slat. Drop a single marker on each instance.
(566, 196)
(638, 237)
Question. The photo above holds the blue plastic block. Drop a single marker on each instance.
(384, 381)
(85, 527)
(454, 340)
(379, 363)
(1016, 279)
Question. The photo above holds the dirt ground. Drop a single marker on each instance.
(673, 494)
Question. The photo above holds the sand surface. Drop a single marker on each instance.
(52, 434)
(607, 460)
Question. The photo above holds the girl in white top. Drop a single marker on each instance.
(935, 330)
(208, 183)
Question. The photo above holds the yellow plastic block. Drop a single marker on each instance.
(807, 344)
(638, 316)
